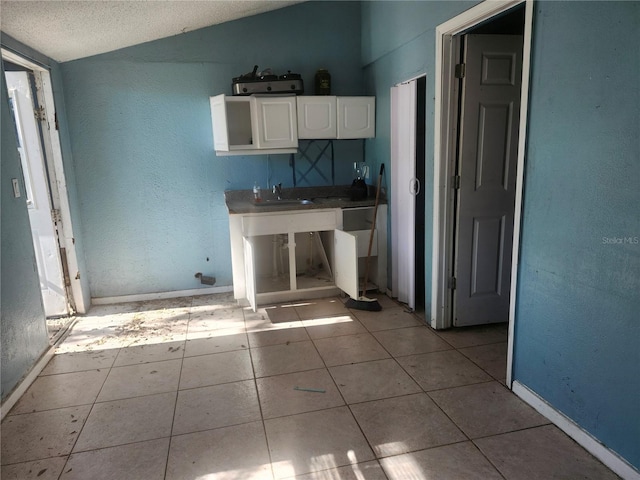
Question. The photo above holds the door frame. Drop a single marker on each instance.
(445, 115)
(57, 185)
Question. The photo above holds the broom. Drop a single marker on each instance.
(364, 303)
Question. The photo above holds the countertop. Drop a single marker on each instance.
(298, 198)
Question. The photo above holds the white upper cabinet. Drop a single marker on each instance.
(254, 125)
(330, 117)
(274, 121)
(356, 117)
(317, 117)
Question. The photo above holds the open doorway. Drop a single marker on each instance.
(486, 149)
(31, 104)
(454, 41)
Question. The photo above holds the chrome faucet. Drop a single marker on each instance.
(277, 190)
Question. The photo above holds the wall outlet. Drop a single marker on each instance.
(16, 187)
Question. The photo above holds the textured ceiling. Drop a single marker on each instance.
(66, 30)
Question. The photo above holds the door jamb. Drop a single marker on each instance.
(443, 158)
(58, 185)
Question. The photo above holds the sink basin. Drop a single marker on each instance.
(284, 202)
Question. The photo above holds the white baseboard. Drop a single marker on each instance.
(611, 459)
(13, 398)
(160, 295)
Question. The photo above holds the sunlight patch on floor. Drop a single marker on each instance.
(404, 467)
(328, 320)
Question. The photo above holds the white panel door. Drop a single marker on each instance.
(403, 190)
(487, 167)
(45, 238)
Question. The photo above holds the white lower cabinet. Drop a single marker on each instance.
(299, 255)
(356, 234)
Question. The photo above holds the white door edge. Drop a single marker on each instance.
(442, 200)
(78, 300)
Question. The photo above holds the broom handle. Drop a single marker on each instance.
(373, 229)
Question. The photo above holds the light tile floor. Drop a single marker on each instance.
(198, 388)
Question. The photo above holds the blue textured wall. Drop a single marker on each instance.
(398, 43)
(577, 329)
(577, 321)
(23, 330)
(149, 185)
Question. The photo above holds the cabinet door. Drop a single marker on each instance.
(317, 117)
(219, 122)
(356, 117)
(250, 271)
(345, 268)
(274, 121)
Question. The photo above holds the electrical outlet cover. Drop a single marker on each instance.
(16, 187)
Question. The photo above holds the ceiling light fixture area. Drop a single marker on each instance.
(68, 30)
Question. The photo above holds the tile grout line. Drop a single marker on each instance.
(326, 368)
(88, 415)
(366, 439)
(255, 385)
(175, 404)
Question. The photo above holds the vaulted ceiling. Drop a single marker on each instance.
(66, 30)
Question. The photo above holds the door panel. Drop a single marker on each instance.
(345, 267)
(487, 168)
(403, 191)
(45, 238)
(219, 122)
(274, 122)
(356, 117)
(494, 146)
(317, 117)
(486, 266)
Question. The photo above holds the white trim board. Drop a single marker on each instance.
(611, 459)
(26, 382)
(160, 295)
